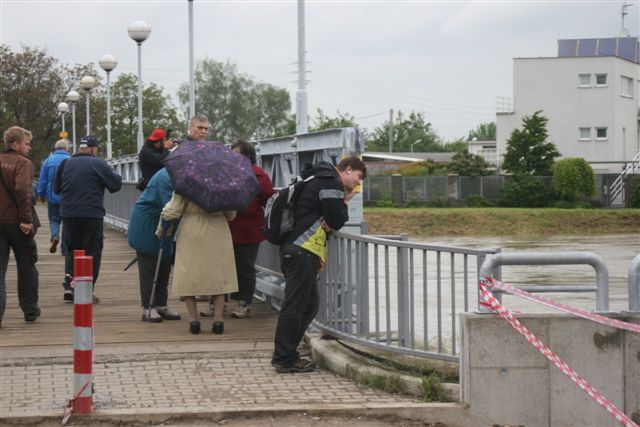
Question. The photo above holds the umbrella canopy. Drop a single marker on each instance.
(212, 176)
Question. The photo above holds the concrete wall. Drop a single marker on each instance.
(506, 379)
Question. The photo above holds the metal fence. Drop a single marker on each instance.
(394, 295)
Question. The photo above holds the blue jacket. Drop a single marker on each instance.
(146, 215)
(47, 175)
(80, 181)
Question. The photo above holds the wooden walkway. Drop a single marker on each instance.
(118, 326)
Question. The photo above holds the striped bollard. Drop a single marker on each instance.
(83, 333)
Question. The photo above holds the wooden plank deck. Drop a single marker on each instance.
(117, 316)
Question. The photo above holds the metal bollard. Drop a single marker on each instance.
(83, 334)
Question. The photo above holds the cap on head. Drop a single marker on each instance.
(88, 142)
(157, 135)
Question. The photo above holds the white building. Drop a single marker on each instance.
(589, 93)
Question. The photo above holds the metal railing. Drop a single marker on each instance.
(601, 287)
(388, 294)
(617, 188)
(634, 285)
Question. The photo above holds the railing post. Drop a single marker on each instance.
(634, 285)
(404, 307)
(362, 291)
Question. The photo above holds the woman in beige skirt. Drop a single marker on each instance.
(204, 258)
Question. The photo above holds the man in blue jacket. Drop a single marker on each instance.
(45, 190)
(141, 235)
(80, 181)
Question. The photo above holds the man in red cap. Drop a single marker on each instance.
(152, 153)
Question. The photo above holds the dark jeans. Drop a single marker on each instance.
(146, 270)
(82, 233)
(300, 305)
(245, 255)
(26, 254)
(53, 212)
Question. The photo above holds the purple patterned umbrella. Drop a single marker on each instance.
(212, 176)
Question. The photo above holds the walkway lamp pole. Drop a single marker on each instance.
(73, 97)
(63, 109)
(139, 31)
(87, 83)
(108, 64)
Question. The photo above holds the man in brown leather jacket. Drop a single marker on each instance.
(16, 221)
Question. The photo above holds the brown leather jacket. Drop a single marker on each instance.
(17, 173)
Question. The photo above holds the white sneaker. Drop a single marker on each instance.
(242, 313)
(151, 315)
(167, 314)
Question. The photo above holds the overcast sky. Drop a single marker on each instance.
(448, 59)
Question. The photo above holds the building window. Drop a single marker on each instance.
(584, 80)
(601, 133)
(626, 86)
(601, 79)
(585, 134)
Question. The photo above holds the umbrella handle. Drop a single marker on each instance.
(165, 224)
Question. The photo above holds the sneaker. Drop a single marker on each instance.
(54, 245)
(95, 299)
(242, 313)
(68, 295)
(31, 317)
(299, 366)
(167, 314)
(151, 315)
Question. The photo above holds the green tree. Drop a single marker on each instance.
(467, 164)
(157, 111)
(323, 121)
(457, 146)
(573, 179)
(528, 152)
(406, 131)
(236, 105)
(484, 132)
(32, 83)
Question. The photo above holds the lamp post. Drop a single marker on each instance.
(108, 64)
(414, 143)
(73, 97)
(87, 83)
(139, 31)
(63, 108)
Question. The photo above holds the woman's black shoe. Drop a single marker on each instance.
(217, 328)
(194, 327)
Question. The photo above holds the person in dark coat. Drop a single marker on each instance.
(80, 182)
(141, 236)
(17, 221)
(246, 233)
(151, 155)
(322, 206)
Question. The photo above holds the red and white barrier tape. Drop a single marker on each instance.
(490, 301)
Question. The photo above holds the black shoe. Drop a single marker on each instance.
(194, 327)
(31, 317)
(218, 328)
(68, 295)
(54, 245)
(299, 366)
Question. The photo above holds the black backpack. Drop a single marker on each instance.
(278, 213)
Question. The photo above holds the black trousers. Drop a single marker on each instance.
(245, 256)
(25, 252)
(82, 233)
(300, 268)
(146, 270)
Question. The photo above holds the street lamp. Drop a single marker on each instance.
(414, 143)
(63, 108)
(139, 31)
(87, 83)
(108, 63)
(73, 97)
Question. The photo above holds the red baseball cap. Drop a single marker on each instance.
(157, 135)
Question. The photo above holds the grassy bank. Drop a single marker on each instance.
(500, 221)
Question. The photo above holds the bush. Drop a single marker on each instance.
(573, 179)
(385, 202)
(527, 191)
(475, 201)
(635, 196)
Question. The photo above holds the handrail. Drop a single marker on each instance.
(554, 258)
(634, 285)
